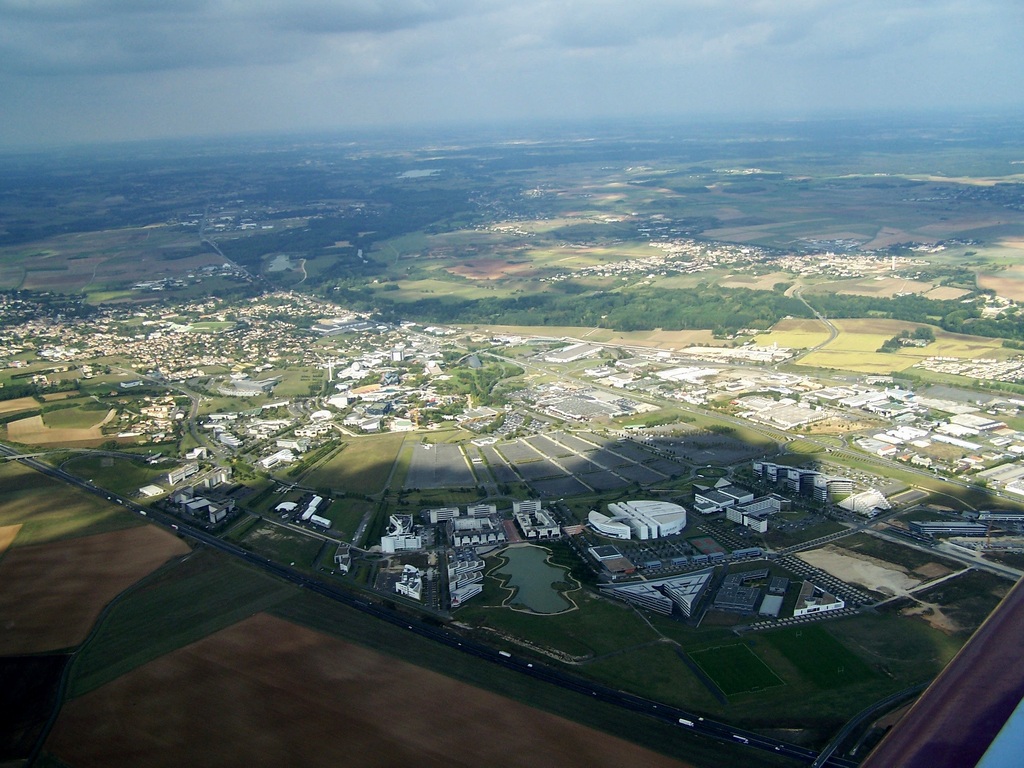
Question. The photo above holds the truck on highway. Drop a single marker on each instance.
(684, 721)
(506, 654)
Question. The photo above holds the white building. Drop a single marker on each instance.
(649, 519)
(815, 600)
(410, 584)
(608, 526)
(400, 536)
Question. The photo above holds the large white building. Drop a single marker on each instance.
(400, 536)
(813, 599)
(640, 519)
(608, 526)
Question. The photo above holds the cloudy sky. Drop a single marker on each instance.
(96, 70)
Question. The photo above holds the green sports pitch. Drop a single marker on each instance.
(735, 669)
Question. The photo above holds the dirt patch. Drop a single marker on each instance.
(492, 269)
(932, 571)
(933, 614)
(52, 593)
(32, 431)
(268, 692)
(877, 575)
(8, 533)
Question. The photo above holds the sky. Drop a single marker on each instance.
(74, 71)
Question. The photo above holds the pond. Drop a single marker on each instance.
(529, 573)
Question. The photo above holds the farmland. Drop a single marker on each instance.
(83, 575)
(269, 691)
(855, 348)
(48, 510)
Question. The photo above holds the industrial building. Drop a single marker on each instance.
(948, 528)
(735, 595)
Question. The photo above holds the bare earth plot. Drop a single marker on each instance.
(266, 692)
(7, 535)
(878, 575)
(52, 593)
(32, 431)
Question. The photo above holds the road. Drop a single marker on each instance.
(833, 332)
(672, 715)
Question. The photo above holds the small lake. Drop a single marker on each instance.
(529, 573)
(280, 263)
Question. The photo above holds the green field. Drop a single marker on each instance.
(186, 600)
(345, 515)
(819, 657)
(282, 544)
(600, 626)
(81, 415)
(362, 467)
(49, 510)
(735, 669)
(122, 475)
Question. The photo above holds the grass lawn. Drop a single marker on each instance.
(282, 545)
(122, 475)
(49, 510)
(599, 626)
(184, 601)
(892, 552)
(735, 668)
(969, 598)
(74, 418)
(362, 467)
(345, 515)
(818, 656)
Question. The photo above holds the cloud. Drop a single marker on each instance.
(79, 37)
(152, 65)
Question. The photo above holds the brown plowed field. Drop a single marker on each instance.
(266, 692)
(52, 593)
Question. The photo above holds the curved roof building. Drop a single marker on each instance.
(642, 519)
(608, 526)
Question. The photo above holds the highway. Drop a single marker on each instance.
(705, 727)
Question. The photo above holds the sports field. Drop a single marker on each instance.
(735, 669)
(819, 657)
